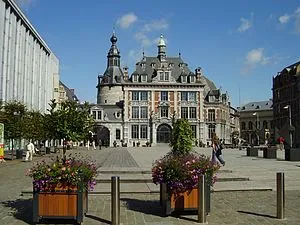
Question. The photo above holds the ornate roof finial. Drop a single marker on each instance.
(179, 53)
(161, 41)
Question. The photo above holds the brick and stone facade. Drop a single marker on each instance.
(142, 107)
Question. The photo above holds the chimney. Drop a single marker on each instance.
(125, 71)
(198, 72)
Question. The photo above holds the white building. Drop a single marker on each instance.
(29, 71)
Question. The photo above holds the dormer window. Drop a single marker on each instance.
(152, 65)
(192, 79)
(180, 65)
(143, 65)
(183, 79)
(135, 78)
(164, 76)
(171, 65)
(144, 78)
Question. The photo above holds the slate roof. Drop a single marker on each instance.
(177, 67)
(257, 106)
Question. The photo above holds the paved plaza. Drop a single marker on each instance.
(236, 201)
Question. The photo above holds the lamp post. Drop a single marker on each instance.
(290, 121)
(257, 125)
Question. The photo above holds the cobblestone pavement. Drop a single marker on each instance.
(243, 208)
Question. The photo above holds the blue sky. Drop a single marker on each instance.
(240, 45)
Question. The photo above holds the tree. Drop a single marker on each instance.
(12, 114)
(182, 137)
(71, 122)
(34, 126)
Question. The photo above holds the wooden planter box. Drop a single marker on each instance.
(182, 202)
(60, 203)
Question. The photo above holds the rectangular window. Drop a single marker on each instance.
(192, 112)
(194, 130)
(99, 115)
(164, 96)
(118, 134)
(144, 112)
(183, 79)
(211, 130)
(135, 78)
(94, 114)
(184, 112)
(211, 115)
(144, 78)
(166, 76)
(144, 131)
(135, 96)
(135, 131)
(144, 95)
(135, 112)
(192, 79)
(192, 96)
(184, 96)
(161, 76)
(164, 112)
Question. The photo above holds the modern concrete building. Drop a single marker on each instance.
(29, 71)
(286, 97)
(142, 107)
(256, 122)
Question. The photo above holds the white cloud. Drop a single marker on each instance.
(143, 36)
(284, 19)
(127, 20)
(254, 58)
(160, 24)
(245, 25)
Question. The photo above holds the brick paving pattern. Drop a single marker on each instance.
(240, 208)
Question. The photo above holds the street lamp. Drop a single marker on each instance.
(257, 125)
(290, 120)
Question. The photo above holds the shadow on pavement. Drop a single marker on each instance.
(144, 206)
(257, 214)
(98, 219)
(21, 209)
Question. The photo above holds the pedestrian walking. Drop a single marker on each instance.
(30, 149)
(217, 150)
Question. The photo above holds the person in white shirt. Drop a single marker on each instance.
(30, 149)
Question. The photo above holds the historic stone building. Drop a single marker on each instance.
(29, 71)
(256, 122)
(142, 107)
(286, 99)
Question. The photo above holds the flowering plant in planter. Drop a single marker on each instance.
(181, 172)
(64, 172)
(181, 168)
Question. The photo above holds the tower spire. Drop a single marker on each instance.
(161, 48)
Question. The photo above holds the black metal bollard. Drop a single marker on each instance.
(115, 200)
(201, 200)
(280, 195)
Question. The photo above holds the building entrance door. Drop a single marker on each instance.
(103, 134)
(164, 133)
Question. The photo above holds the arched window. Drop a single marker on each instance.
(250, 125)
(243, 126)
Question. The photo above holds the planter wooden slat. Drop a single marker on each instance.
(185, 200)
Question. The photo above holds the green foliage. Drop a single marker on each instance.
(69, 122)
(12, 115)
(182, 137)
(34, 126)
